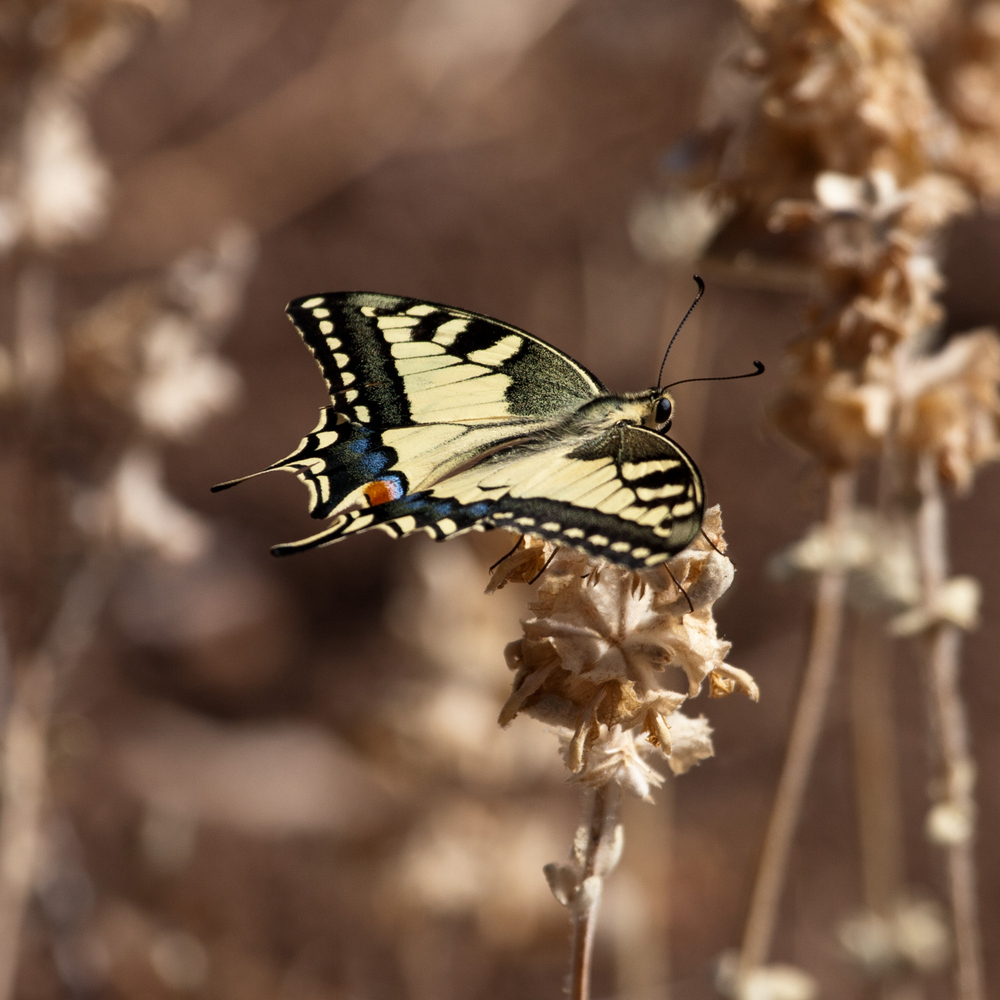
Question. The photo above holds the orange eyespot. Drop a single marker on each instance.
(381, 491)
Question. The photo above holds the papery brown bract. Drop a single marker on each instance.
(595, 654)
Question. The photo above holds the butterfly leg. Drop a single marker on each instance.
(507, 554)
(710, 542)
(537, 576)
(666, 566)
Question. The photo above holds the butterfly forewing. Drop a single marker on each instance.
(394, 362)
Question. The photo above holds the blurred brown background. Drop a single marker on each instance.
(280, 779)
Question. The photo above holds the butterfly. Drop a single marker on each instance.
(447, 421)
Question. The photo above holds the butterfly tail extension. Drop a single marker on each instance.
(441, 518)
(337, 459)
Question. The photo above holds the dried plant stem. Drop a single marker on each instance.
(876, 767)
(639, 924)
(949, 726)
(824, 648)
(23, 788)
(23, 777)
(600, 823)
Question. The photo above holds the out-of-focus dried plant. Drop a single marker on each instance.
(99, 395)
(849, 160)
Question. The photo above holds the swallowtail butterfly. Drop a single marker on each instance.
(445, 421)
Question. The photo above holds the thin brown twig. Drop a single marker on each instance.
(949, 726)
(600, 821)
(824, 648)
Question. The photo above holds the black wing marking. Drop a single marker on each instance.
(394, 362)
(441, 517)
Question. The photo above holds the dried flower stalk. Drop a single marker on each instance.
(596, 850)
(951, 822)
(849, 151)
(592, 665)
(23, 777)
(876, 768)
(824, 648)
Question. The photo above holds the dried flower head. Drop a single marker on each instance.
(951, 406)
(914, 935)
(593, 658)
(64, 184)
(844, 90)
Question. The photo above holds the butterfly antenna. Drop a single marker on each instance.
(758, 370)
(697, 299)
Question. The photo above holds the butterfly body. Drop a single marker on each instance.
(446, 421)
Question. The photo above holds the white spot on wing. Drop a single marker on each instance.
(421, 309)
(653, 516)
(447, 332)
(662, 492)
(309, 303)
(415, 349)
(616, 502)
(362, 521)
(636, 470)
(325, 326)
(414, 366)
(321, 313)
(503, 350)
(362, 414)
(396, 322)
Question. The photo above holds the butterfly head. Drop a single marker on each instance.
(653, 409)
(662, 412)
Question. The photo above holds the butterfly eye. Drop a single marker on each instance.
(664, 410)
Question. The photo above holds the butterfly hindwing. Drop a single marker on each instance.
(628, 494)
(340, 459)
(641, 503)
(440, 517)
